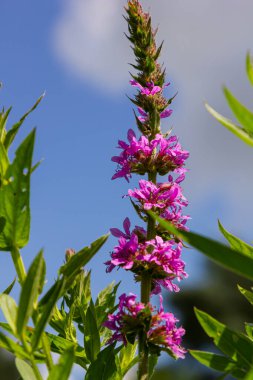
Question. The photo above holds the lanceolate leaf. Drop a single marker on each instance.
(13, 347)
(249, 330)
(128, 358)
(25, 370)
(4, 162)
(104, 368)
(9, 309)
(14, 198)
(14, 130)
(91, 334)
(247, 294)
(217, 362)
(243, 115)
(62, 369)
(238, 131)
(30, 292)
(9, 288)
(216, 251)
(249, 67)
(236, 345)
(236, 243)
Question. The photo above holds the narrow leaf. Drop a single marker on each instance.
(127, 358)
(247, 294)
(62, 369)
(30, 292)
(217, 362)
(4, 162)
(9, 309)
(236, 345)
(104, 367)
(153, 359)
(236, 243)
(243, 115)
(238, 131)
(9, 288)
(13, 347)
(91, 334)
(249, 330)
(249, 67)
(25, 369)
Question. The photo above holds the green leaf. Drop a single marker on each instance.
(246, 293)
(249, 330)
(153, 359)
(25, 369)
(9, 288)
(236, 243)
(62, 369)
(14, 130)
(216, 251)
(4, 162)
(81, 258)
(2, 223)
(9, 309)
(243, 115)
(217, 362)
(238, 131)
(13, 347)
(3, 120)
(105, 302)
(249, 375)
(14, 198)
(249, 69)
(45, 314)
(127, 358)
(30, 292)
(104, 367)
(236, 345)
(91, 334)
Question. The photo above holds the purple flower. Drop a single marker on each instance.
(143, 155)
(150, 88)
(144, 115)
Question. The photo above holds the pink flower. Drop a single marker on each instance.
(150, 88)
(144, 115)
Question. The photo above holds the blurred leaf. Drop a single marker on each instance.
(14, 130)
(216, 251)
(249, 375)
(25, 369)
(13, 347)
(2, 223)
(246, 293)
(236, 345)
(127, 358)
(62, 369)
(249, 330)
(249, 69)
(81, 258)
(9, 309)
(236, 243)
(91, 334)
(243, 115)
(3, 119)
(238, 131)
(9, 288)
(45, 314)
(14, 198)
(153, 359)
(104, 367)
(211, 360)
(30, 292)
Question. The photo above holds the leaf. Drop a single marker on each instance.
(236, 345)
(30, 292)
(25, 369)
(215, 250)
(9, 309)
(91, 334)
(104, 367)
(81, 258)
(249, 67)
(62, 369)
(127, 358)
(14, 198)
(3, 119)
(211, 360)
(13, 347)
(105, 302)
(246, 293)
(238, 131)
(153, 359)
(4, 162)
(249, 330)
(249, 375)
(14, 130)
(9, 288)
(45, 314)
(2, 223)
(236, 243)
(243, 115)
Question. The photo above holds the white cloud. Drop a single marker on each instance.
(205, 45)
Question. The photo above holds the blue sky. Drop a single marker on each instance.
(76, 52)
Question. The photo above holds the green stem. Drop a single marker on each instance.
(21, 272)
(145, 297)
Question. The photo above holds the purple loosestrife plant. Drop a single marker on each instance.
(153, 255)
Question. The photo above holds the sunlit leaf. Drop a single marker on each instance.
(249, 69)
(9, 288)
(247, 294)
(238, 131)
(13, 347)
(9, 309)
(25, 369)
(249, 330)
(91, 334)
(128, 358)
(243, 115)
(104, 367)
(62, 369)
(30, 292)
(211, 360)
(215, 250)
(236, 243)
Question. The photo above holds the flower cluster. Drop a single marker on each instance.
(151, 253)
(160, 327)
